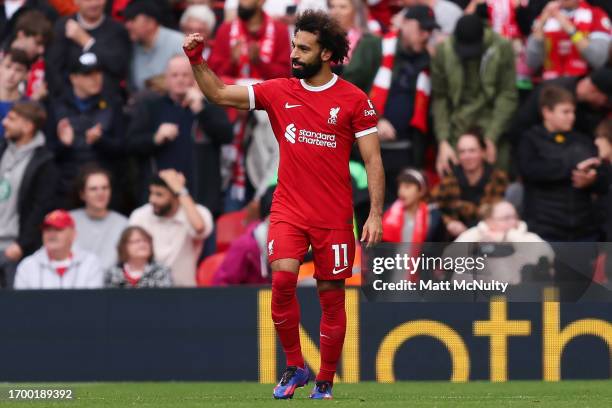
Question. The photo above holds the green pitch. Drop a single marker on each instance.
(572, 394)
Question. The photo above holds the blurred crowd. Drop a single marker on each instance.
(495, 122)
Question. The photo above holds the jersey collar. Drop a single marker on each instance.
(319, 88)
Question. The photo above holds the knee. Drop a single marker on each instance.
(283, 285)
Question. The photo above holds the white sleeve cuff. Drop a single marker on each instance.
(251, 97)
(366, 132)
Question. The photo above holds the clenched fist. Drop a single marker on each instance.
(193, 46)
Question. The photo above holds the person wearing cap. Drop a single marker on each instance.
(59, 264)
(447, 14)
(569, 38)
(473, 84)
(86, 125)
(28, 181)
(396, 76)
(410, 218)
(14, 69)
(89, 30)
(592, 94)
(177, 224)
(153, 45)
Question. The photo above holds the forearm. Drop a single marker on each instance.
(594, 51)
(216, 91)
(193, 216)
(376, 183)
(534, 52)
(208, 81)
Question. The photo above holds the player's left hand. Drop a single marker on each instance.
(372, 230)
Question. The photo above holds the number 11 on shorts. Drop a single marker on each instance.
(337, 248)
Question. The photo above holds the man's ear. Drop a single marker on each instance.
(326, 55)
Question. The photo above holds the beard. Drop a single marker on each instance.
(13, 136)
(162, 211)
(245, 13)
(308, 70)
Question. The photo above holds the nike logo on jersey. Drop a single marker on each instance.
(335, 272)
(287, 106)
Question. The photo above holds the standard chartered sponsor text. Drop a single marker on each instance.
(317, 138)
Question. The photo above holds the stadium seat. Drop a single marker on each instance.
(207, 269)
(229, 227)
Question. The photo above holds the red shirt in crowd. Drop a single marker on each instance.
(272, 40)
(562, 57)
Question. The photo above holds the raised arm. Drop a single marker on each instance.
(213, 88)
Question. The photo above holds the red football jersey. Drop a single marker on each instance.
(315, 128)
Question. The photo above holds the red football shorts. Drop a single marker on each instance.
(333, 250)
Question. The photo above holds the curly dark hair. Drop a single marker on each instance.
(330, 35)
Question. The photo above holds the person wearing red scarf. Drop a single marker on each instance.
(251, 46)
(410, 218)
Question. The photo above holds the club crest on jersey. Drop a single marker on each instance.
(271, 248)
(333, 115)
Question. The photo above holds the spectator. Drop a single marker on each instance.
(98, 228)
(592, 94)
(177, 224)
(246, 259)
(560, 173)
(11, 11)
(396, 76)
(64, 7)
(33, 34)
(27, 185)
(569, 37)
(154, 45)
(473, 83)
(530, 258)
(470, 184)
(502, 15)
(13, 71)
(163, 128)
(59, 264)
(252, 45)
(199, 19)
(86, 125)
(352, 16)
(410, 218)
(603, 140)
(88, 31)
(136, 267)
